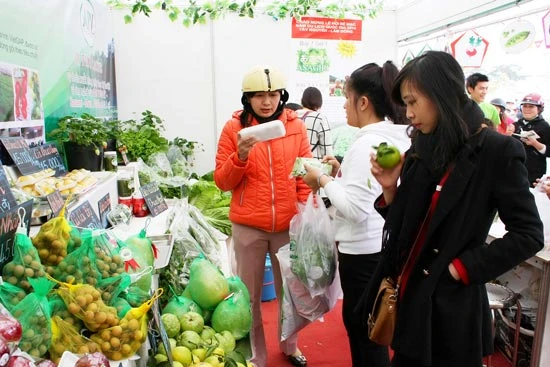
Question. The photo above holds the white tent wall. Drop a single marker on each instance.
(422, 17)
(166, 68)
(191, 77)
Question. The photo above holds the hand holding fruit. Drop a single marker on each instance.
(386, 167)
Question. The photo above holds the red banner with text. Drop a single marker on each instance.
(327, 28)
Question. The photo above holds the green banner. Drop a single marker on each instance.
(56, 58)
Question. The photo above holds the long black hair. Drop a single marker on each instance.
(439, 77)
(375, 83)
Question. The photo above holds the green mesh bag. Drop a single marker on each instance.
(59, 308)
(11, 295)
(25, 264)
(79, 266)
(112, 287)
(33, 312)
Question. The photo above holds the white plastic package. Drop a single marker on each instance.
(266, 131)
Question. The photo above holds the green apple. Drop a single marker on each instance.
(192, 321)
(190, 339)
(207, 332)
(229, 339)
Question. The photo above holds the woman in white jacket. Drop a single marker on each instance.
(352, 190)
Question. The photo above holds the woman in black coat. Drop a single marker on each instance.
(453, 180)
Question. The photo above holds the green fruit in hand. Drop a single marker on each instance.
(387, 156)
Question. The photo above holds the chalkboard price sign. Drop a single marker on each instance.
(84, 216)
(56, 202)
(104, 207)
(7, 200)
(153, 198)
(21, 154)
(9, 222)
(47, 156)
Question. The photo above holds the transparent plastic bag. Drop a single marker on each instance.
(298, 307)
(313, 253)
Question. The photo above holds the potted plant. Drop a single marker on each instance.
(141, 138)
(83, 140)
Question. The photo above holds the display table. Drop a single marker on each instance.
(541, 262)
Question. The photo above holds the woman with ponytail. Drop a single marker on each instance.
(352, 190)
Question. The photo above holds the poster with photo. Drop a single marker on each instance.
(56, 59)
(326, 51)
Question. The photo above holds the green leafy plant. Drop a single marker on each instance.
(85, 130)
(141, 138)
(198, 12)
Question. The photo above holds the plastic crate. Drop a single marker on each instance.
(164, 244)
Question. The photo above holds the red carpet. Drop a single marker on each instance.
(325, 344)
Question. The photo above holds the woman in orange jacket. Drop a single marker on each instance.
(264, 194)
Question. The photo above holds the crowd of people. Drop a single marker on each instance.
(424, 221)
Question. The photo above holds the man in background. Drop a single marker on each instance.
(477, 86)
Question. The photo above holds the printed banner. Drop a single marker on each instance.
(325, 51)
(56, 59)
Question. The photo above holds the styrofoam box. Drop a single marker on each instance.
(266, 131)
(69, 359)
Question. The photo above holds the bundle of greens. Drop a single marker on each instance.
(212, 202)
(193, 236)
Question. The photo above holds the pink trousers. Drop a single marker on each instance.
(250, 246)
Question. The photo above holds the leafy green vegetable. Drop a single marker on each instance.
(213, 204)
(143, 138)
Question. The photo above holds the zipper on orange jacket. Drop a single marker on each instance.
(272, 186)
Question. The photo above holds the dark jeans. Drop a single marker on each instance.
(355, 273)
